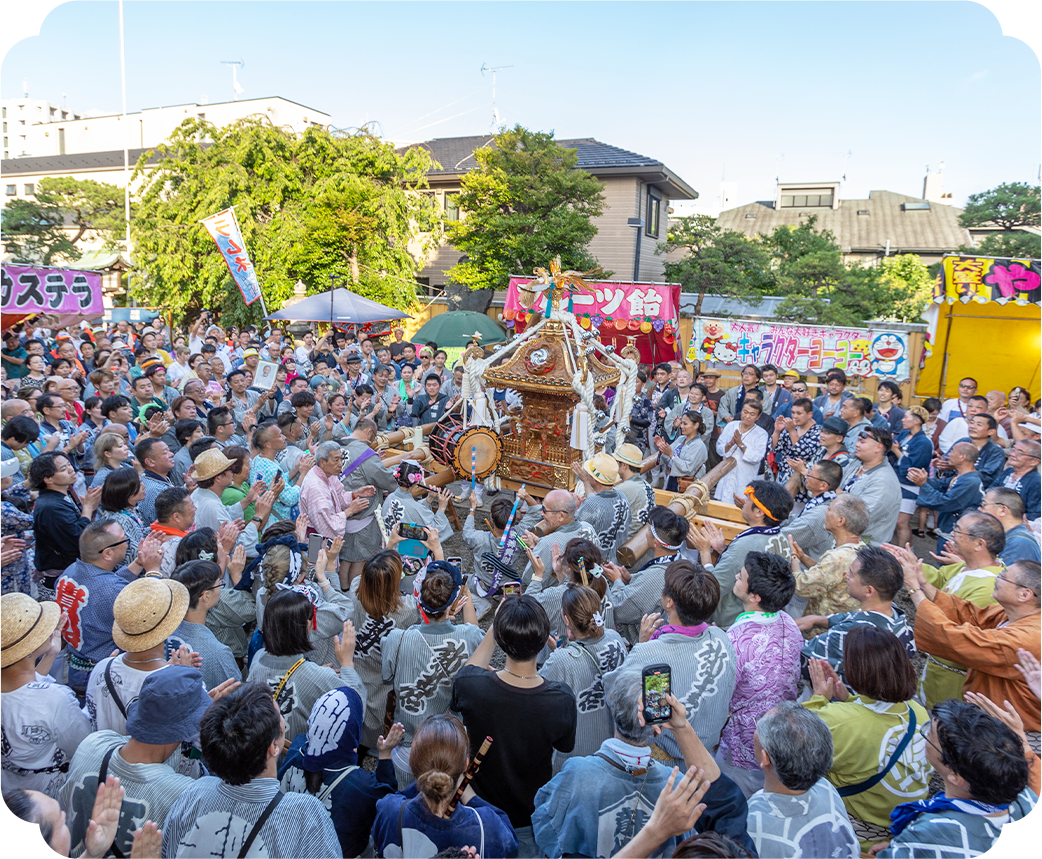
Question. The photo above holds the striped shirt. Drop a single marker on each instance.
(371, 634)
(422, 662)
(218, 661)
(704, 669)
(303, 688)
(582, 665)
(149, 789)
(641, 596)
(609, 514)
(213, 819)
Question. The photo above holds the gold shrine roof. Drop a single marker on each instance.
(547, 363)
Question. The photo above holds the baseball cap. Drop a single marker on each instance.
(169, 706)
(835, 425)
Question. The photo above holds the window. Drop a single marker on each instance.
(61, 141)
(651, 221)
(751, 215)
(799, 201)
(30, 189)
(5, 128)
(12, 190)
(451, 208)
(862, 211)
(917, 206)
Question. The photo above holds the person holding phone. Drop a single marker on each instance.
(401, 508)
(702, 657)
(594, 806)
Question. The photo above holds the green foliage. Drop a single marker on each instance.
(907, 285)
(1010, 205)
(723, 262)
(310, 206)
(38, 230)
(1011, 243)
(525, 204)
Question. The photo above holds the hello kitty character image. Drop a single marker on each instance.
(725, 353)
(888, 351)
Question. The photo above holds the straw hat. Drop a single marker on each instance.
(602, 468)
(629, 454)
(25, 624)
(146, 612)
(210, 463)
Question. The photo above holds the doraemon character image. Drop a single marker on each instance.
(888, 350)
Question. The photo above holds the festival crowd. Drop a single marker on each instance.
(231, 627)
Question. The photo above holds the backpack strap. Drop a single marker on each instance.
(112, 688)
(327, 790)
(269, 808)
(282, 682)
(868, 783)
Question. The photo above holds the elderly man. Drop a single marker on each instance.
(798, 812)
(212, 471)
(746, 442)
(604, 509)
(267, 442)
(985, 639)
(950, 497)
(766, 506)
(585, 809)
(323, 498)
(1007, 506)
(875, 482)
(808, 528)
(1022, 476)
(978, 539)
(88, 588)
(558, 526)
(823, 583)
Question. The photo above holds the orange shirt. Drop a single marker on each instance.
(985, 642)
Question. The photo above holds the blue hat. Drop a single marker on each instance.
(334, 729)
(457, 585)
(168, 708)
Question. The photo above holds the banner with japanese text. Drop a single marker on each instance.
(804, 348)
(984, 279)
(653, 304)
(224, 230)
(57, 291)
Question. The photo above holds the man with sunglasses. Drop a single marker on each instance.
(875, 482)
(799, 391)
(984, 638)
(1022, 476)
(89, 587)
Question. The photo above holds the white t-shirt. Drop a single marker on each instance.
(42, 727)
(175, 372)
(105, 714)
(951, 409)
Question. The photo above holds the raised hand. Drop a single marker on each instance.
(648, 624)
(302, 527)
(256, 491)
(185, 656)
(104, 819)
(264, 505)
(1028, 666)
(148, 842)
(393, 738)
(237, 564)
(538, 567)
(229, 685)
(344, 646)
(150, 552)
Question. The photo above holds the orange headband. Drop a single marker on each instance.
(749, 494)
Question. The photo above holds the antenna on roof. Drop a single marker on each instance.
(236, 88)
(843, 169)
(493, 69)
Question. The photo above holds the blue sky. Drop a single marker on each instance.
(746, 90)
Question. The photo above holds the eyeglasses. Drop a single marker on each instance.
(963, 533)
(1015, 583)
(216, 587)
(120, 543)
(870, 436)
(547, 510)
(924, 732)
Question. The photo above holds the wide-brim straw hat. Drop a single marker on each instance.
(25, 624)
(629, 454)
(146, 612)
(210, 463)
(602, 468)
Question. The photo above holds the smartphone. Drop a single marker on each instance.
(656, 684)
(456, 562)
(314, 547)
(411, 532)
(511, 588)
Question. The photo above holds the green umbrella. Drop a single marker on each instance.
(457, 328)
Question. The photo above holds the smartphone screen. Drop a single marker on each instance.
(456, 562)
(314, 547)
(511, 588)
(656, 681)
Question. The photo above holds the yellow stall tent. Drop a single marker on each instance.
(984, 321)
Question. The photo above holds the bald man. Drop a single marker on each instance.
(13, 408)
(950, 496)
(558, 511)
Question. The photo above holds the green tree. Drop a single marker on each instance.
(908, 285)
(1010, 205)
(717, 261)
(310, 206)
(526, 203)
(46, 230)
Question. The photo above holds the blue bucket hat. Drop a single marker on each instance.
(168, 708)
(457, 585)
(334, 730)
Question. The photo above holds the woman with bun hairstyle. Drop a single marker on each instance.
(421, 662)
(423, 826)
(592, 651)
(580, 562)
